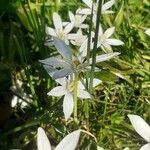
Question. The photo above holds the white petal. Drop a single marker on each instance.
(63, 49)
(147, 32)
(99, 148)
(57, 91)
(57, 22)
(127, 148)
(88, 3)
(80, 85)
(104, 57)
(62, 81)
(100, 30)
(107, 5)
(109, 32)
(42, 140)
(69, 142)
(83, 18)
(85, 11)
(83, 94)
(140, 126)
(83, 48)
(84, 26)
(114, 42)
(68, 28)
(65, 23)
(96, 82)
(71, 16)
(68, 105)
(145, 147)
(50, 31)
(72, 36)
(106, 46)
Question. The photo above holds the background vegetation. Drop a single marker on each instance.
(125, 88)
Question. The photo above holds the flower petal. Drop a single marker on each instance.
(99, 148)
(80, 85)
(71, 16)
(55, 62)
(100, 30)
(62, 73)
(145, 147)
(83, 94)
(63, 49)
(57, 22)
(107, 5)
(109, 32)
(85, 11)
(70, 141)
(104, 57)
(114, 42)
(50, 70)
(68, 28)
(140, 126)
(68, 105)
(126, 148)
(62, 81)
(57, 91)
(50, 31)
(42, 140)
(96, 82)
(147, 32)
(88, 3)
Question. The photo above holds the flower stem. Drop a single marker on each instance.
(75, 97)
(95, 43)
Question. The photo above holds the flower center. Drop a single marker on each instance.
(70, 86)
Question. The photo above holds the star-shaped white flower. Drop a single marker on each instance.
(69, 142)
(147, 32)
(66, 88)
(60, 31)
(104, 9)
(142, 128)
(78, 19)
(104, 39)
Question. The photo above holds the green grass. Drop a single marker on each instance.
(125, 87)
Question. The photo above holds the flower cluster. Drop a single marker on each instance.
(71, 68)
(67, 67)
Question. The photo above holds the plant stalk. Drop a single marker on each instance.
(75, 98)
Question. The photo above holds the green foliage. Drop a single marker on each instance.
(126, 79)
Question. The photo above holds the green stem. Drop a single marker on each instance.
(57, 4)
(75, 97)
(95, 43)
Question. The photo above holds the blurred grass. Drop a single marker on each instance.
(126, 80)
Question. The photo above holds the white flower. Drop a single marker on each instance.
(142, 128)
(78, 19)
(79, 39)
(147, 32)
(60, 31)
(104, 39)
(104, 9)
(69, 142)
(66, 88)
